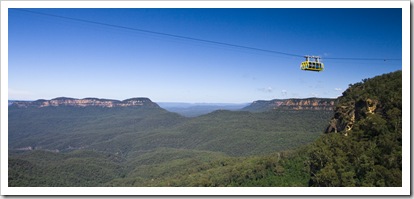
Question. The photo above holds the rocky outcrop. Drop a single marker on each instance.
(293, 104)
(366, 101)
(346, 113)
(344, 118)
(64, 101)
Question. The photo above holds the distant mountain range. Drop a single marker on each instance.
(65, 101)
(138, 124)
(292, 104)
(185, 109)
(197, 109)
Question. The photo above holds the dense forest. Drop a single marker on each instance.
(137, 147)
(149, 146)
(366, 149)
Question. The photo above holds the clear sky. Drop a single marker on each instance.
(53, 57)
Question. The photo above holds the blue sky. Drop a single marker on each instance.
(52, 57)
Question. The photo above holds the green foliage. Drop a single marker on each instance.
(276, 169)
(92, 146)
(126, 130)
(370, 153)
(161, 167)
(243, 133)
(78, 168)
(68, 128)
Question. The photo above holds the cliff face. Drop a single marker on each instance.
(379, 97)
(362, 146)
(293, 104)
(63, 101)
(347, 112)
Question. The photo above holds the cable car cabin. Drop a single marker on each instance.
(315, 65)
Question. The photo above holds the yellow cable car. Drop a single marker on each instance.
(315, 65)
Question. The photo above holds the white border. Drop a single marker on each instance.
(404, 190)
(218, 191)
(4, 96)
(406, 99)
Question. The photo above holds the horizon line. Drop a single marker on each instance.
(186, 102)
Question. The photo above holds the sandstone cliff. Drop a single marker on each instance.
(293, 104)
(362, 146)
(379, 97)
(64, 101)
(346, 113)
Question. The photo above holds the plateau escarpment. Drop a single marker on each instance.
(63, 101)
(293, 104)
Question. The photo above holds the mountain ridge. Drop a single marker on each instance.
(293, 104)
(256, 106)
(66, 101)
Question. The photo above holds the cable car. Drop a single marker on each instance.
(314, 65)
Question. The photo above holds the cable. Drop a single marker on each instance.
(366, 59)
(190, 38)
(160, 33)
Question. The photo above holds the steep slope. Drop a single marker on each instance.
(326, 104)
(363, 145)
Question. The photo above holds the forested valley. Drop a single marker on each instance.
(356, 144)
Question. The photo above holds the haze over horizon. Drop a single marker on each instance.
(168, 102)
(51, 55)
